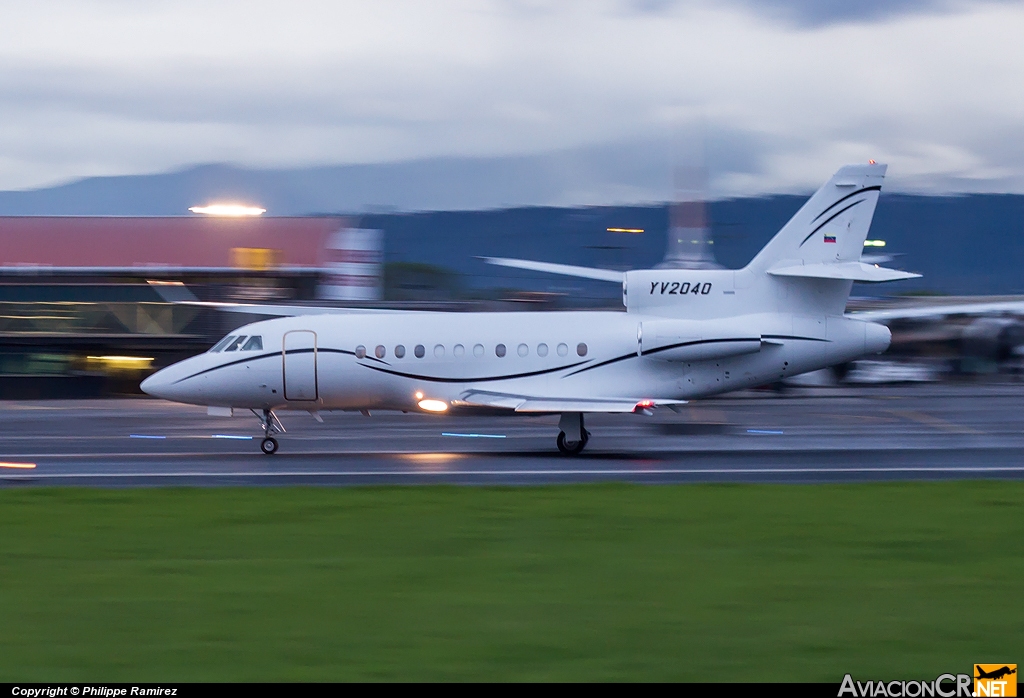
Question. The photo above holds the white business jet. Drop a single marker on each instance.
(685, 334)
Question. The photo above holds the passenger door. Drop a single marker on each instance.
(299, 359)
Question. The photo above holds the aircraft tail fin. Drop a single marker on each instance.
(831, 227)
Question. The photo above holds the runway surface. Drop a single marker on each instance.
(927, 432)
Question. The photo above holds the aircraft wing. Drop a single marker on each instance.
(938, 311)
(563, 269)
(178, 293)
(527, 404)
(284, 310)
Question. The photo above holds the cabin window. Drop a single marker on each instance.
(255, 343)
(459, 351)
(478, 350)
(222, 343)
(400, 352)
(581, 349)
(419, 351)
(542, 349)
(380, 352)
(563, 349)
(523, 350)
(235, 344)
(499, 350)
(360, 352)
(438, 351)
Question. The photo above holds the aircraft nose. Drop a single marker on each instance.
(157, 384)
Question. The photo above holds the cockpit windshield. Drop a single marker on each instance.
(233, 346)
(221, 344)
(234, 342)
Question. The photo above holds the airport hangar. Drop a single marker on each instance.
(79, 317)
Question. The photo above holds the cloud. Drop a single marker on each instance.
(816, 13)
(110, 87)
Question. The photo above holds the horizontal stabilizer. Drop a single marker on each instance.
(848, 271)
(524, 403)
(563, 269)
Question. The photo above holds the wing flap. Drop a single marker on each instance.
(544, 405)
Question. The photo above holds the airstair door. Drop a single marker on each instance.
(299, 356)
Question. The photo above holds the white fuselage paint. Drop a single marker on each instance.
(622, 359)
(685, 334)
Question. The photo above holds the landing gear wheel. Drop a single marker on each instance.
(572, 448)
(269, 446)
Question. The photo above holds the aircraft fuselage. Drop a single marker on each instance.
(394, 361)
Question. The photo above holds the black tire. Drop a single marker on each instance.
(269, 446)
(571, 448)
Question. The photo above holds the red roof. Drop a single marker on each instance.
(200, 241)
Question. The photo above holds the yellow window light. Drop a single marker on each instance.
(256, 258)
(230, 210)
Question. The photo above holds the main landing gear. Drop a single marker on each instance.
(572, 436)
(271, 425)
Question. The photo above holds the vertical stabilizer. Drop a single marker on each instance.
(832, 226)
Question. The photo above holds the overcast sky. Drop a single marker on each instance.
(778, 93)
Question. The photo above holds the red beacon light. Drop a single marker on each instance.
(871, 162)
(644, 406)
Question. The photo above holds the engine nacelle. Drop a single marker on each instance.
(675, 340)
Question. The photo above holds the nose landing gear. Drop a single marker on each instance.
(572, 436)
(271, 425)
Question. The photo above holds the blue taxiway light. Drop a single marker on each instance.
(762, 431)
(474, 436)
(145, 436)
(231, 436)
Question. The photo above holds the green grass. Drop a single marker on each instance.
(591, 582)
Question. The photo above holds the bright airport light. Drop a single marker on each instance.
(874, 243)
(433, 405)
(232, 210)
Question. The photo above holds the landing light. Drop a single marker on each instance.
(234, 210)
(433, 405)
